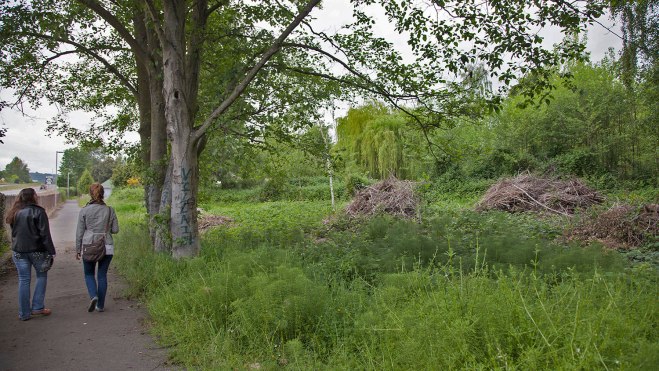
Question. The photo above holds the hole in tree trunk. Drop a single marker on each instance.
(176, 94)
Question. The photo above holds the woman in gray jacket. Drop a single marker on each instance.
(94, 220)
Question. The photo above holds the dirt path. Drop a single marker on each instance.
(71, 338)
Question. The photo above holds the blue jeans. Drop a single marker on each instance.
(99, 289)
(24, 266)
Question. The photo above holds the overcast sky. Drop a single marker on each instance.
(27, 138)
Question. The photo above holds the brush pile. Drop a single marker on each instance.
(621, 226)
(527, 192)
(208, 221)
(390, 196)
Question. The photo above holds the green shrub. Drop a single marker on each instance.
(455, 184)
(466, 241)
(513, 321)
(580, 162)
(272, 189)
(123, 172)
(503, 162)
(354, 183)
(84, 182)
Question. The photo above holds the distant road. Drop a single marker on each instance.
(13, 192)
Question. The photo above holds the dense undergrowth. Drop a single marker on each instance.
(290, 284)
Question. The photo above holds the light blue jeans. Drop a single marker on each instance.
(24, 263)
(100, 288)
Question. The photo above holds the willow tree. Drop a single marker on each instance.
(376, 140)
(145, 59)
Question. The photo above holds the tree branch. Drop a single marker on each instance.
(113, 21)
(377, 89)
(84, 50)
(193, 55)
(576, 9)
(157, 22)
(240, 88)
(213, 8)
(57, 55)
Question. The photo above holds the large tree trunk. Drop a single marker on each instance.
(153, 134)
(144, 108)
(185, 235)
(158, 144)
(179, 116)
(163, 238)
(143, 92)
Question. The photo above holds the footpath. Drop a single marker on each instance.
(72, 338)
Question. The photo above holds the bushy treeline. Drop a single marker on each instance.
(591, 125)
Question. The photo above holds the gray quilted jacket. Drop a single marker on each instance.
(92, 221)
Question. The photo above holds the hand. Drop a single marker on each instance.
(78, 256)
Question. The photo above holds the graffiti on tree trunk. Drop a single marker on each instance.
(186, 229)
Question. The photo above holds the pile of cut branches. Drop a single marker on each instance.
(390, 196)
(621, 226)
(208, 221)
(527, 192)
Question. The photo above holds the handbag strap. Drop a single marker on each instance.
(107, 225)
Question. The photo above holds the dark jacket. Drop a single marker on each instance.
(30, 231)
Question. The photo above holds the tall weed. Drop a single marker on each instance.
(459, 291)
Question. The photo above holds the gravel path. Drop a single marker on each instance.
(71, 338)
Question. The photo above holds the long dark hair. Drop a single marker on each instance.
(27, 196)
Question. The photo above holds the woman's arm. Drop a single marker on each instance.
(80, 231)
(114, 228)
(44, 233)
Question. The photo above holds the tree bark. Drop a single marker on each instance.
(158, 144)
(185, 234)
(184, 174)
(163, 221)
(151, 105)
(143, 95)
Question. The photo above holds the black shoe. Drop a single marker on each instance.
(92, 304)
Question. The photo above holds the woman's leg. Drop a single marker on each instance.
(90, 279)
(39, 291)
(24, 267)
(103, 266)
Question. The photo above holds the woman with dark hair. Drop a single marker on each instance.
(32, 246)
(96, 220)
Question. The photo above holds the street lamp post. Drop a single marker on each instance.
(55, 177)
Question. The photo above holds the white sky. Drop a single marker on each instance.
(27, 138)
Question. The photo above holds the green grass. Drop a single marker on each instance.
(277, 223)
(462, 290)
(304, 189)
